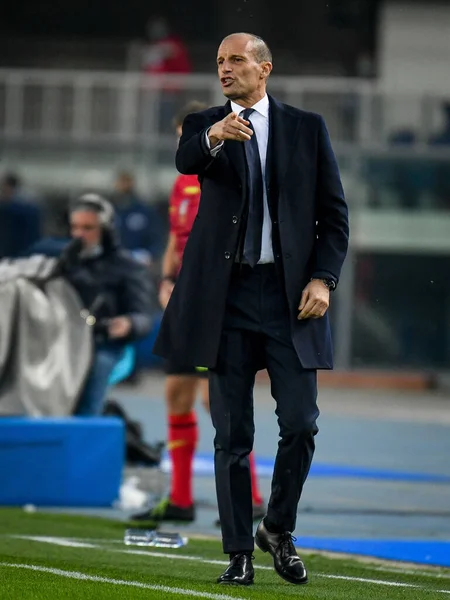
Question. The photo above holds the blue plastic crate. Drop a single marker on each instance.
(61, 461)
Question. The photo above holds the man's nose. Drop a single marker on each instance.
(225, 67)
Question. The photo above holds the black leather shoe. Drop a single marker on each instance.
(280, 546)
(239, 572)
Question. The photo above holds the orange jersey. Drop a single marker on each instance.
(183, 207)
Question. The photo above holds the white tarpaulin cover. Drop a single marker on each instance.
(45, 345)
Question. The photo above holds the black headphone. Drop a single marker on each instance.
(99, 205)
(106, 214)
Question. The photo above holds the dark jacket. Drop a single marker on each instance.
(48, 246)
(111, 285)
(309, 231)
(140, 227)
(20, 226)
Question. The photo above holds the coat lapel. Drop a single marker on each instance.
(283, 138)
(284, 131)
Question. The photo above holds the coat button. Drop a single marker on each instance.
(287, 256)
(227, 255)
(275, 222)
(235, 219)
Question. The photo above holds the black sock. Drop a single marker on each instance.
(271, 527)
(246, 552)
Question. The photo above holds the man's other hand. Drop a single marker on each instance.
(119, 327)
(314, 301)
(165, 291)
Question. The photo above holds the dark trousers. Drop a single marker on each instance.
(256, 335)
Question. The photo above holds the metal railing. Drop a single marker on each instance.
(84, 124)
(133, 109)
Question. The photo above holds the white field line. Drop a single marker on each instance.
(264, 568)
(399, 570)
(187, 557)
(57, 541)
(137, 584)
(364, 562)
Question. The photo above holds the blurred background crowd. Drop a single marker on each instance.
(87, 100)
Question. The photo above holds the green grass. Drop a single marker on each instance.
(112, 560)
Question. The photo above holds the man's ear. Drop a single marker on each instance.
(266, 70)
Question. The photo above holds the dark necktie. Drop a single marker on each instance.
(253, 235)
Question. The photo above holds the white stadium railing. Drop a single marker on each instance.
(96, 107)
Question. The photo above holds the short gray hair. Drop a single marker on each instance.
(261, 50)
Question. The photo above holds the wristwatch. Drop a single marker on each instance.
(330, 283)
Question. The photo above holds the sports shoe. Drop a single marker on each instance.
(166, 511)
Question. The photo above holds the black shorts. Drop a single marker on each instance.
(173, 368)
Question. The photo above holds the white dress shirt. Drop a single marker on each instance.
(260, 121)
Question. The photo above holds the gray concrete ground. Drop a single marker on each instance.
(388, 431)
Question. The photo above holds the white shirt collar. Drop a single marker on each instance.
(261, 107)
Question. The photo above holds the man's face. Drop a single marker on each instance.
(157, 29)
(124, 184)
(6, 191)
(85, 225)
(241, 76)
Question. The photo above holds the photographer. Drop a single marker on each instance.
(115, 289)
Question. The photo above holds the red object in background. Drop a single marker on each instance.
(183, 207)
(183, 437)
(168, 55)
